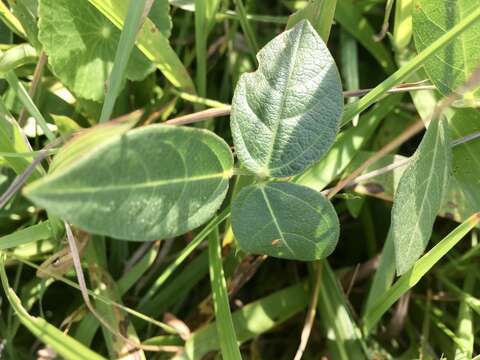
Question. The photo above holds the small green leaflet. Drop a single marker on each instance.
(81, 48)
(285, 116)
(452, 66)
(419, 195)
(150, 183)
(285, 220)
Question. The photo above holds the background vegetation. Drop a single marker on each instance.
(401, 281)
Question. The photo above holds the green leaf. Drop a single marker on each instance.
(466, 163)
(419, 195)
(84, 141)
(12, 140)
(160, 16)
(151, 183)
(151, 42)
(262, 221)
(81, 49)
(285, 116)
(455, 63)
(319, 13)
(225, 329)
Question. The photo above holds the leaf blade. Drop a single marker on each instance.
(262, 221)
(286, 115)
(419, 195)
(151, 183)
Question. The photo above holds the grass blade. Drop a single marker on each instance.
(225, 329)
(151, 42)
(63, 344)
(136, 13)
(251, 320)
(409, 68)
(421, 267)
(27, 101)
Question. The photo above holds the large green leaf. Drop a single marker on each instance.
(419, 195)
(81, 49)
(286, 115)
(153, 43)
(285, 220)
(455, 63)
(151, 183)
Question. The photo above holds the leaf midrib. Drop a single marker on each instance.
(283, 99)
(277, 225)
(138, 186)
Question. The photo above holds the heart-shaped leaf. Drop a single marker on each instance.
(151, 183)
(285, 220)
(286, 115)
(81, 44)
(453, 65)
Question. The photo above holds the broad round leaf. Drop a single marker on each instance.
(285, 220)
(81, 44)
(151, 183)
(285, 116)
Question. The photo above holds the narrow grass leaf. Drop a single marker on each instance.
(350, 18)
(63, 344)
(320, 14)
(41, 231)
(153, 182)
(250, 321)
(151, 42)
(12, 140)
(225, 330)
(136, 14)
(420, 194)
(262, 221)
(17, 56)
(416, 273)
(411, 66)
(345, 338)
(465, 322)
(285, 115)
(27, 101)
(246, 27)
